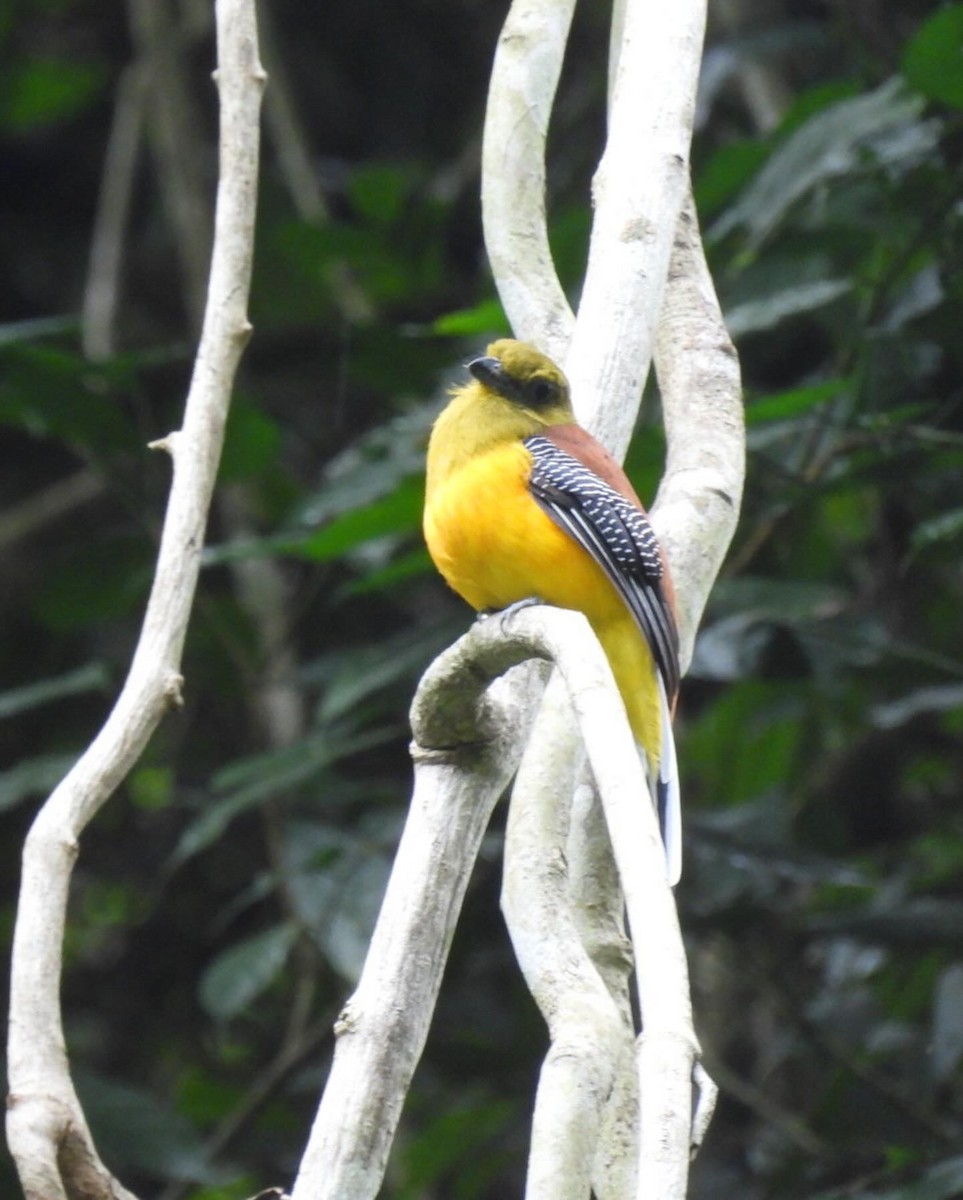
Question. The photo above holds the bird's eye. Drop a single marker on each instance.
(542, 391)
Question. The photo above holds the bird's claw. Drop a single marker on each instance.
(516, 606)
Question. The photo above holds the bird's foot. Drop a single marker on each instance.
(516, 606)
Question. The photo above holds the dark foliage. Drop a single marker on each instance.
(223, 898)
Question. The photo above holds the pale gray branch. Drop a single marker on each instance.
(286, 131)
(667, 1048)
(590, 1031)
(104, 266)
(46, 1129)
(467, 739)
(467, 742)
(524, 78)
(470, 738)
(638, 191)
(697, 507)
(179, 174)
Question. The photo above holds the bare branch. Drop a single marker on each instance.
(179, 175)
(104, 267)
(706, 1095)
(575, 962)
(467, 741)
(590, 1032)
(524, 78)
(667, 1048)
(46, 1129)
(467, 738)
(697, 507)
(286, 131)
(638, 191)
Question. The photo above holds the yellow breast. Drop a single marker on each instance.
(494, 545)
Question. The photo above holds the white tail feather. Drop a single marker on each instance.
(669, 786)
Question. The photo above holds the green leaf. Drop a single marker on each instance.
(106, 904)
(373, 488)
(337, 894)
(729, 169)
(933, 61)
(879, 128)
(51, 393)
(939, 698)
(274, 774)
(785, 406)
(922, 923)
(379, 192)
(43, 91)
(485, 319)
(944, 1181)
(397, 513)
(355, 675)
(784, 598)
(13, 333)
(96, 582)
(134, 1130)
(241, 973)
(450, 1143)
(815, 100)
(373, 466)
(94, 677)
(946, 1047)
(754, 316)
(151, 788)
(251, 442)
(747, 741)
(945, 527)
(234, 1189)
(402, 568)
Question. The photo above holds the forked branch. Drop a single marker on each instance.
(46, 1128)
(469, 731)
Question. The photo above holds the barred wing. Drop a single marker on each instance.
(618, 536)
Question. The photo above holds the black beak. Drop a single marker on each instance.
(488, 371)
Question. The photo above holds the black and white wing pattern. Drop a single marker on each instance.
(618, 536)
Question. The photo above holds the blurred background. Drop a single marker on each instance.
(223, 898)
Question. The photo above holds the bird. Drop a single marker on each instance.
(522, 504)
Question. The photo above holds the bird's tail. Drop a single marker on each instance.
(666, 792)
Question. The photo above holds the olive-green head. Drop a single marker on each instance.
(520, 373)
(515, 392)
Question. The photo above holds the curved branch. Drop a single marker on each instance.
(467, 735)
(638, 192)
(668, 1048)
(525, 74)
(468, 738)
(696, 510)
(46, 1129)
(590, 1032)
